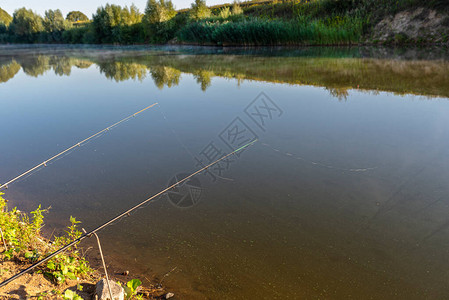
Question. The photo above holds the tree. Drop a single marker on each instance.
(157, 12)
(25, 23)
(76, 16)
(114, 15)
(123, 16)
(5, 18)
(199, 10)
(54, 25)
(104, 20)
(131, 15)
(111, 21)
(54, 21)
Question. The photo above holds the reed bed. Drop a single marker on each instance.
(272, 32)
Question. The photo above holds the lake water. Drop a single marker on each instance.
(344, 195)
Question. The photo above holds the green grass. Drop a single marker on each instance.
(276, 32)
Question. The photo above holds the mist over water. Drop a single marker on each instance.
(344, 194)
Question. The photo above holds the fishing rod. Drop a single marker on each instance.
(44, 163)
(126, 213)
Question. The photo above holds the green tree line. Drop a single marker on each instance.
(160, 23)
(110, 24)
(255, 23)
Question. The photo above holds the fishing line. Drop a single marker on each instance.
(66, 151)
(317, 163)
(124, 214)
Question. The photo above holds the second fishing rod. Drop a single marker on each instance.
(124, 214)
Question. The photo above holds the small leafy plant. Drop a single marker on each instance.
(22, 237)
(70, 265)
(131, 288)
(71, 295)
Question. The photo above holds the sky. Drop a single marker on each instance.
(86, 6)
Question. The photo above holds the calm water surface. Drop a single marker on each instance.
(343, 196)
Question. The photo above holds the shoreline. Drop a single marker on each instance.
(249, 46)
(36, 283)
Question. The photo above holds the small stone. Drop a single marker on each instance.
(169, 295)
(102, 291)
(126, 273)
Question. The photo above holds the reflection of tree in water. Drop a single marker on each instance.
(338, 75)
(165, 76)
(62, 65)
(120, 71)
(203, 77)
(339, 93)
(230, 75)
(82, 64)
(8, 71)
(35, 65)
